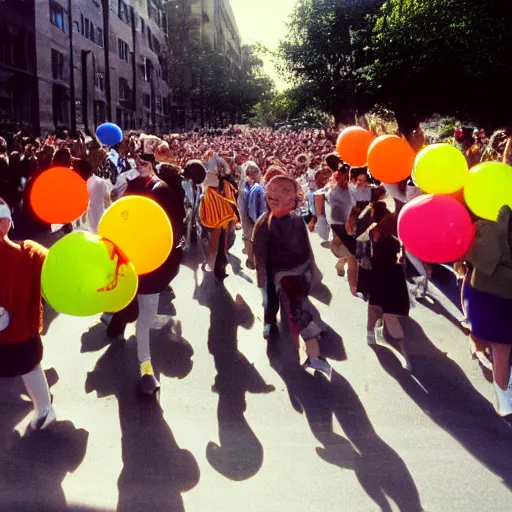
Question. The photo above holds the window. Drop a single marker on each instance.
(58, 16)
(156, 45)
(57, 65)
(124, 89)
(99, 80)
(123, 49)
(147, 66)
(146, 100)
(123, 12)
(60, 103)
(142, 26)
(150, 39)
(99, 36)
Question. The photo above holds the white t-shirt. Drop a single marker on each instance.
(97, 189)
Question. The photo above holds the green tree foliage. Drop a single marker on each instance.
(204, 81)
(445, 56)
(324, 51)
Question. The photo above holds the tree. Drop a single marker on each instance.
(324, 52)
(444, 56)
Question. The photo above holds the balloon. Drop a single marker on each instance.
(435, 228)
(440, 169)
(84, 275)
(353, 144)
(59, 195)
(141, 230)
(109, 134)
(488, 188)
(390, 159)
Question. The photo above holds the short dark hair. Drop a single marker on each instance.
(333, 161)
(83, 168)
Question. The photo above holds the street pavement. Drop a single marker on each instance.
(238, 429)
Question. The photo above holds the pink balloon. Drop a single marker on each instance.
(435, 228)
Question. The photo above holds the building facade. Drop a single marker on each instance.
(84, 62)
(196, 26)
(18, 67)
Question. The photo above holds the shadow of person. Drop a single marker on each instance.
(156, 471)
(444, 393)
(379, 469)
(34, 467)
(49, 315)
(16, 405)
(239, 454)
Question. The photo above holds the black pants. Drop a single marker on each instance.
(221, 260)
(272, 305)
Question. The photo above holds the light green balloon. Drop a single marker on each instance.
(83, 275)
(440, 169)
(488, 189)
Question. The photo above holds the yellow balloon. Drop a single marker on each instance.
(488, 189)
(440, 169)
(84, 275)
(141, 229)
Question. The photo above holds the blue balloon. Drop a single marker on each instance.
(109, 134)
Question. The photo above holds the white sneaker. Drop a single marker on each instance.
(397, 347)
(43, 422)
(370, 338)
(319, 365)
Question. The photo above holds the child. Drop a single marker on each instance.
(388, 296)
(21, 318)
(284, 260)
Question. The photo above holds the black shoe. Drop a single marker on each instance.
(149, 385)
(170, 291)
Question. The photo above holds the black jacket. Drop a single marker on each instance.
(172, 202)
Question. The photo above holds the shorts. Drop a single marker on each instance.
(344, 245)
(20, 358)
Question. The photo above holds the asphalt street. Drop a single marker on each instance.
(238, 429)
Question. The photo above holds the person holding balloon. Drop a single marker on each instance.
(388, 296)
(21, 319)
(156, 280)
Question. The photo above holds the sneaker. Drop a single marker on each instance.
(396, 347)
(148, 385)
(370, 338)
(43, 422)
(319, 364)
(379, 332)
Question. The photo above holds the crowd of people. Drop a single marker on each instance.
(277, 189)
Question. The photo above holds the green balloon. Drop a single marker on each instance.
(488, 188)
(84, 275)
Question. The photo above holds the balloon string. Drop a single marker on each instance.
(121, 259)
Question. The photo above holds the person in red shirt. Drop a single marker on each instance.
(21, 318)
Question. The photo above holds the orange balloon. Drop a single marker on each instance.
(390, 159)
(352, 145)
(459, 195)
(59, 195)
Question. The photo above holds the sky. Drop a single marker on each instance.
(263, 21)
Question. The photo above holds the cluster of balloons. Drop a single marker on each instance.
(389, 158)
(86, 274)
(435, 227)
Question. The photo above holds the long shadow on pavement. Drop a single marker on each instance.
(378, 468)
(239, 455)
(444, 393)
(156, 470)
(33, 467)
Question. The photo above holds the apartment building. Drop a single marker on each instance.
(88, 61)
(18, 72)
